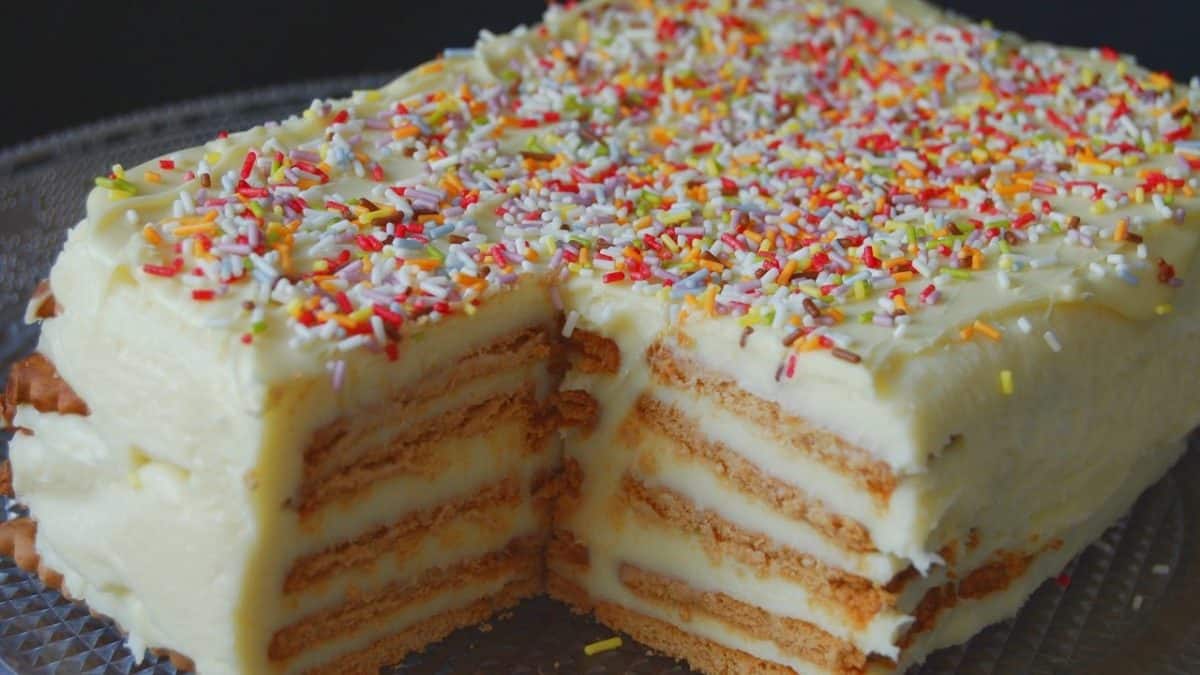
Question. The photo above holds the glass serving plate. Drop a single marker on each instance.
(1128, 604)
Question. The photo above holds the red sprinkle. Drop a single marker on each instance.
(248, 165)
(159, 270)
(387, 315)
(203, 294)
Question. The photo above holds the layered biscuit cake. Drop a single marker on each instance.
(781, 335)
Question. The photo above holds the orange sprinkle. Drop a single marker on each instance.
(152, 177)
(785, 275)
(285, 256)
(1122, 230)
(341, 319)
(424, 263)
(911, 169)
(407, 131)
(986, 329)
(151, 235)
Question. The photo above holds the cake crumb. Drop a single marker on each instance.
(1136, 605)
(1161, 570)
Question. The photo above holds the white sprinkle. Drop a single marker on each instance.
(353, 342)
(1052, 340)
(569, 325)
(131, 217)
(1024, 325)
(1136, 605)
(1161, 570)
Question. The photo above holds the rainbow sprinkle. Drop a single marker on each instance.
(799, 166)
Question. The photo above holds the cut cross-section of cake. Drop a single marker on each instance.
(783, 336)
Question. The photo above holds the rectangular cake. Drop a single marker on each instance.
(782, 336)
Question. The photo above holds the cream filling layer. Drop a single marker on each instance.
(406, 617)
(614, 536)
(464, 466)
(478, 462)
(696, 481)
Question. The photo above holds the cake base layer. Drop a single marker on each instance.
(392, 649)
(702, 654)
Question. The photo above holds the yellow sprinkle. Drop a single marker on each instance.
(710, 300)
(986, 329)
(1006, 382)
(370, 216)
(212, 158)
(152, 177)
(1163, 309)
(198, 228)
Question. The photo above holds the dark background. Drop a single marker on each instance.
(68, 62)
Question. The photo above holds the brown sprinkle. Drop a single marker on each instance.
(811, 308)
(538, 156)
(1072, 222)
(205, 180)
(846, 355)
(746, 332)
(1133, 238)
(792, 337)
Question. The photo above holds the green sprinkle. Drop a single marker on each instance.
(118, 184)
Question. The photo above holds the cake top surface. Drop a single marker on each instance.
(865, 181)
